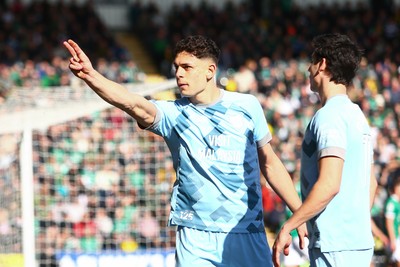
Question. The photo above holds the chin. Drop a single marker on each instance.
(183, 94)
(186, 93)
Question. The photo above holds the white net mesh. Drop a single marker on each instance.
(10, 202)
(101, 185)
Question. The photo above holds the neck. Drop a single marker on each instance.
(207, 96)
(330, 90)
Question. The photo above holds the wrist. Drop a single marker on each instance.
(286, 228)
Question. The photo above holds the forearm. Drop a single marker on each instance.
(137, 106)
(323, 191)
(142, 110)
(278, 177)
(110, 91)
(281, 182)
(317, 200)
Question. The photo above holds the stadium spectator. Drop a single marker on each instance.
(86, 231)
(245, 78)
(148, 229)
(392, 220)
(104, 225)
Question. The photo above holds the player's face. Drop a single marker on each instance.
(313, 70)
(191, 74)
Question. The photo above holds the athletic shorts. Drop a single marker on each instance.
(347, 258)
(197, 248)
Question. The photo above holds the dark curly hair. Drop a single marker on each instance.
(199, 46)
(342, 56)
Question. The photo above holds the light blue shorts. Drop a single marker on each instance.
(347, 258)
(196, 248)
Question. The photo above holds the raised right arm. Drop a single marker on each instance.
(142, 110)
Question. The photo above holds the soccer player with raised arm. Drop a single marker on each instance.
(219, 142)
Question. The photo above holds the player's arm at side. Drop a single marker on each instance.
(142, 110)
(279, 179)
(323, 191)
(277, 176)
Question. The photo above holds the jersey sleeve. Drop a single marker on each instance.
(162, 124)
(330, 135)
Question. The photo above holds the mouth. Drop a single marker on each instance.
(180, 85)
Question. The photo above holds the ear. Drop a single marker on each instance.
(211, 71)
(322, 65)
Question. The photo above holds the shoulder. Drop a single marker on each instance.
(246, 101)
(329, 114)
(237, 95)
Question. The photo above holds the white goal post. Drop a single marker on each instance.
(79, 164)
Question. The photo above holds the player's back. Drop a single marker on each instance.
(339, 129)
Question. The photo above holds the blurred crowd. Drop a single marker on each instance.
(101, 183)
(31, 50)
(35, 30)
(277, 29)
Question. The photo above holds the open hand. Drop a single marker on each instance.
(281, 244)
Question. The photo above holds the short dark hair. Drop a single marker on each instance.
(199, 46)
(342, 56)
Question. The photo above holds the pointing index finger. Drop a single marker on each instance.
(72, 48)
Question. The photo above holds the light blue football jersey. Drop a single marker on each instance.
(340, 129)
(214, 151)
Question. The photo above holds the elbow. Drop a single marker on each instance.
(335, 191)
(331, 192)
(331, 195)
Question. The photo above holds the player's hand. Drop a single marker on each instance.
(393, 245)
(303, 233)
(281, 244)
(79, 63)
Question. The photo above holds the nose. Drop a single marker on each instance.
(178, 72)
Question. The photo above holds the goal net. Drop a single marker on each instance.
(81, 184)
